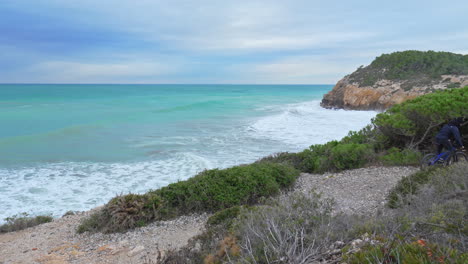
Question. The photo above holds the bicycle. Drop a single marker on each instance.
(443, 159)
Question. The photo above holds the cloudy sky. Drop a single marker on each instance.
(216, 41)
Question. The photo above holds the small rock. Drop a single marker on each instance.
(197, 247)
(135, 251)
(356, 243)
(124, 243)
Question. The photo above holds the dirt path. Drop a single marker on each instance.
(57, 242)
(360, 191)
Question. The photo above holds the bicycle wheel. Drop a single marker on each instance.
(462, 157)
(428, 160)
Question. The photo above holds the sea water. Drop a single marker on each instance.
(73, 147)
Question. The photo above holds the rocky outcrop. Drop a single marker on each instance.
(384, 93)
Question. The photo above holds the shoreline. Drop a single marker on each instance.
(359, 191)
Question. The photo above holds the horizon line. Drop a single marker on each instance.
(165, 83)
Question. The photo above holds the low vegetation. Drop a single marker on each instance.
(23, 221)
(396, 157)
(413, 124)
(412, 64)
(430, 227)
(209, 191)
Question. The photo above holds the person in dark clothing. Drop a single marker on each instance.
(450, 130)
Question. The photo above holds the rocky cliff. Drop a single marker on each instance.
(394, 78)
(349, 94)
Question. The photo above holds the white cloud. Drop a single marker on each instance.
(296, 70)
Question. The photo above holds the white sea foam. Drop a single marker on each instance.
(57, 188)
(304, 124)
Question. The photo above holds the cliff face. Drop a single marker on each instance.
(348, 94)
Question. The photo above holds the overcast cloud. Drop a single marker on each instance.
(128, 41)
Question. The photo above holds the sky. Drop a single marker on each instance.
(216, 41)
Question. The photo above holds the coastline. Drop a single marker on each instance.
(358, 191)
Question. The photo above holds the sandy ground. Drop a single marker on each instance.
(355, 191)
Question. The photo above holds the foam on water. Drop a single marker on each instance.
(307, 123)
(57, 188)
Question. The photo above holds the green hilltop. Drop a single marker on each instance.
(411, 64)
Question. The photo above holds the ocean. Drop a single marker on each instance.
(74, 147)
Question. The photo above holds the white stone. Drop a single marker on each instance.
(135, 251)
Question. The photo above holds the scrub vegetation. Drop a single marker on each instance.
(428, 225)
(209, 191)
(23, 221)
(419, 66)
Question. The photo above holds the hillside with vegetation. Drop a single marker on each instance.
(413, 65)
(394, 78)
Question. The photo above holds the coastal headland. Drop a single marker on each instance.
(394, 78)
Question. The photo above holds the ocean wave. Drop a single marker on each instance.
(57, 188)
(304, 124)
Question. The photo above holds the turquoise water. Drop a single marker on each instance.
(72, 147)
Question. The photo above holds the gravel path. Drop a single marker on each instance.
(355, 191)
(359, 191)
(57, 242)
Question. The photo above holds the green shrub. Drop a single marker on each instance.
(454, 85)
(407, 186)
(364, 136)
(335, 156)
(291, 159)
(23, 221)
(397, 157)
(209, 191)
(350, 156)
(447, 180)
(414, 123)
(224, 217)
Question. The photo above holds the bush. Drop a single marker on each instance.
(406, 187)
(435, 202)
(414, 123)
(397, 157)
(23, 221)
(291, 159)
(209, 191)
(350, 156)
(224, 217)
(335, 156)
(353, 151)
(293, 229)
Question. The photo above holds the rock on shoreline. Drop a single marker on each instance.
(351, 95)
